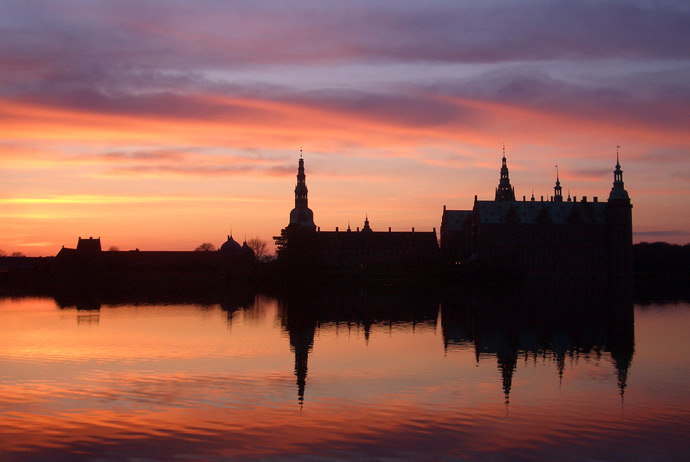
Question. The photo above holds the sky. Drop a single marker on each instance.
(160, 125)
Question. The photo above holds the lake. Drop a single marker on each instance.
(390, 374)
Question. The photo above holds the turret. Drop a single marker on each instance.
(504, 191)
(618, 192)
(366, 227)
(619, 222)
(557, 190)
(301, 215)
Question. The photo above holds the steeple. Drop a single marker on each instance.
(505, 191)
(618, 192)
(301, 187)
(301, 215)
(557, 190)
(366, 223)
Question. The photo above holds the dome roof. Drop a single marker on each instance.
(231, 245)
(248, 250)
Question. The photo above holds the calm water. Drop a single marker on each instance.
(384, 376)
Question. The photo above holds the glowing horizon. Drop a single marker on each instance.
(173, 125)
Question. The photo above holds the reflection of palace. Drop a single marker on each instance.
(526, 321)
(534, 321)
(305, 311)
(554, 322)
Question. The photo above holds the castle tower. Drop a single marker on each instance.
(557, 190)
(619, 222)
(302, 215)
(366, 227)
(505, 191)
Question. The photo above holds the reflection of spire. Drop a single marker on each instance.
(507, 363)
(301, 365)
(560, 365)
(300, 323)
(622, 342)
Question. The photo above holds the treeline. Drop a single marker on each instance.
(661, 258)
(662, 272)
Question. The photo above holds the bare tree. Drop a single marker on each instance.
(259, 246)
(17, 254)
(206, 247)
(2, 253)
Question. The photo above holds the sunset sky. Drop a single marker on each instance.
(160, 125)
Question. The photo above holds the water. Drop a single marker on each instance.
(393, 375)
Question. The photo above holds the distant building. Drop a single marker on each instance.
(88, 256)
(543, 238)
(303, 243)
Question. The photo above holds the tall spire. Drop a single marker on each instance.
(366, 223)
(301, 215)
(505, 191)
(618, 191)
(557, 190)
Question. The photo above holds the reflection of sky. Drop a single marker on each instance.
(401, 106)
(141, 376)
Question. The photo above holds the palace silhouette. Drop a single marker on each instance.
(550, 238)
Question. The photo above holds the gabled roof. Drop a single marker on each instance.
(529, 212)
(455, 219)
(381, 240)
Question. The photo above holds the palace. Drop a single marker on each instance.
(548, 238)
(303, 243)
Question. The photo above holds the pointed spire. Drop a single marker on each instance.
(618, 192)
(366, 223)
(505, 191)
(301, 215)
(557, 190)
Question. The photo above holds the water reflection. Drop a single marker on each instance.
(541, 321)
(405, 373)
(509, 323)
(307, 309)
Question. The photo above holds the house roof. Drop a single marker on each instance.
(529, 212)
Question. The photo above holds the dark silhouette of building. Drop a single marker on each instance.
(232, 259)
(303, 244)
(302, 215)
(545, 238)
